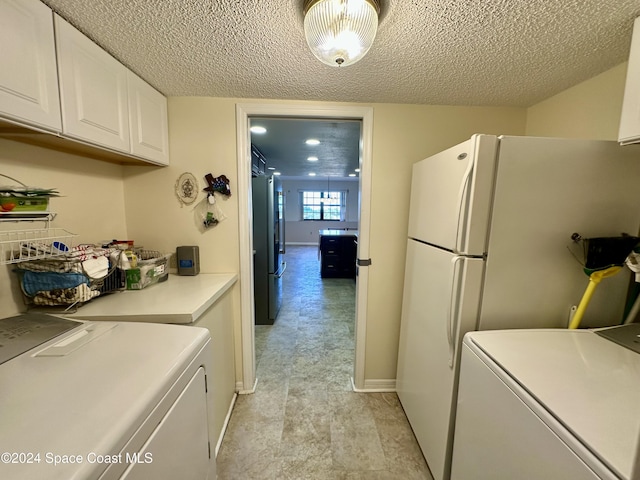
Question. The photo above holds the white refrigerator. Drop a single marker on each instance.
(489, 247)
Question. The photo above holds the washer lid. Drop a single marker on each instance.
(86, 393)
(21, 333)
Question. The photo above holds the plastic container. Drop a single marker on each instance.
(147, 272)
(24, 204)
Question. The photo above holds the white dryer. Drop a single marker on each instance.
(105, 400)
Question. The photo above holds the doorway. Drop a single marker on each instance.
(243, 114)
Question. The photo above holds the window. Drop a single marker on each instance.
(323, 205)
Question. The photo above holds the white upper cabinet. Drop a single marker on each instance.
(630, 121)
(28, 77)
(55, 79)
(93, 90)
(148, 121)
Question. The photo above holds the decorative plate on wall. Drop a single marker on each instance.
(187, 188)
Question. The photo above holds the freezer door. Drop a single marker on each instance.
(547, 189)
(451, 196)
(440, 304)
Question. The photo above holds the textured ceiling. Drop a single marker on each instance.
(438, 52)
(444, 52)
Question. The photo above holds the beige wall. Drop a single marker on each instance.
(403, 135)
(92, 202)
(203, 140)
(589, 110)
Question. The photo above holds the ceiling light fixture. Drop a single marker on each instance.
(312, 174)
(312, 159)
(340, 32)
(258, 129)
(313, 141)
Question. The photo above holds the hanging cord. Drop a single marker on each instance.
(11, 178)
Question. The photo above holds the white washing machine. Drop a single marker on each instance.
(104, 400)
(549, 405)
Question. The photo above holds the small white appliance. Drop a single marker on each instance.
(104, 400)
(489, 225)
(547, 404)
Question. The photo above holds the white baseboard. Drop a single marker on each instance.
(240, 391)
(376, 386)
(226, 423)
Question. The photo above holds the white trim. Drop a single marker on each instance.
(363, 246)
(226, 423)
(376, 386)
(241, 391)
(243, 112)
(246, 249)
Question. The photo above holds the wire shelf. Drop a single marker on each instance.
(27, 216)
(24, 245)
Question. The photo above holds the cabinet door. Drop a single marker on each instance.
(179, 447)
(93, 90)
(148, 121)
(630, 120)
(28, 77)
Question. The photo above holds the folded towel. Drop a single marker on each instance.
(34, 282)
(96, 267)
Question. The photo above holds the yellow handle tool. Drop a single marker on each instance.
(594, 279)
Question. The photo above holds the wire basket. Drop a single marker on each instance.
(25, 245)
(64, 283)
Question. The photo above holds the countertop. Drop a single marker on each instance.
(338, 233)
(180, 299)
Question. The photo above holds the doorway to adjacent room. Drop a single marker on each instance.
(244, 113)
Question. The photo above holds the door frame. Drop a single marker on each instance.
(243, 112)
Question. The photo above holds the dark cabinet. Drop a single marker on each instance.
(338, 253)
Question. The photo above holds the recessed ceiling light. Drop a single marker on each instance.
(357, 170)
(312, 174)
(276, 173)
(313, 141)
(258, 129)
(352, 174)
(271, 168)
(312, 159)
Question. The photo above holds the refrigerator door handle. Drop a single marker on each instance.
(452, 316)
(284, 224)
(281, 270)
(462, 213)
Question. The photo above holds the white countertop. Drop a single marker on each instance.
(180, 299)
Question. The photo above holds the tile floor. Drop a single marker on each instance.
(304, 421)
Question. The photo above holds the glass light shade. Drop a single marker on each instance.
(340, 32)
